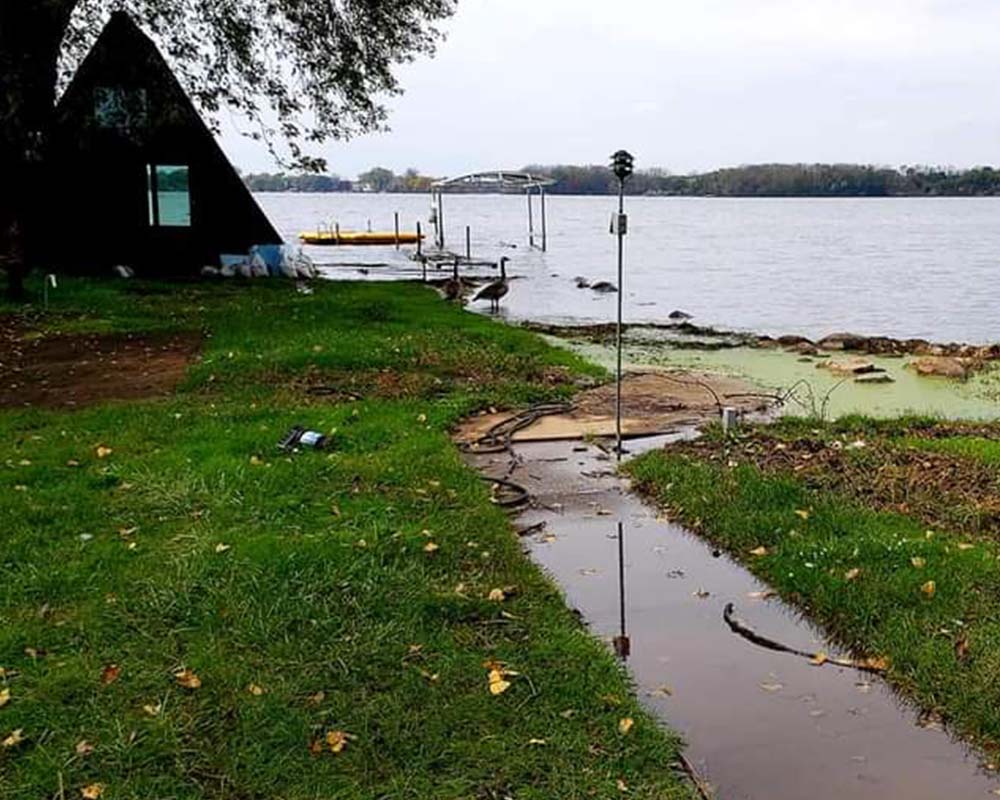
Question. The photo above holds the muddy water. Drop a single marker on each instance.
(759, 724)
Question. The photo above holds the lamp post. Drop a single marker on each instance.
(622, 166)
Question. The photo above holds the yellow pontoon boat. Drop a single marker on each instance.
(359, 237)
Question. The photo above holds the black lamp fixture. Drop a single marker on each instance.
(622, 165)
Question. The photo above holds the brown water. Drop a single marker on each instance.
(760, 725)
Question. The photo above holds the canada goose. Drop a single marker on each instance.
(453, 286)
(497, 289)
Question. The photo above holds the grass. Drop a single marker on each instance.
(305, 591)
(882, 582)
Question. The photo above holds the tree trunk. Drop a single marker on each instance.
(31, 34)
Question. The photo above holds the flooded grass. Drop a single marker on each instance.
(186, 612)
(891, 547)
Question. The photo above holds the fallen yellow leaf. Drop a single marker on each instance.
(187, 679)
(92, 792)
(431, 547)
(537, 742)
(880, 663)
(255, 690)
(14, 739)
(84, 748)
(622, 786)
(819, 659)
(256, 461)
(4, 697)
(965, 546)
(851, 574)
(625, 725)
(497, 595)
(337, 740)
(316, 699)
(153, 710)
(918, 562)
(759, 551)
(498, 685)
(103, 452)
(929, 588)
(802, 513)
(222, 548)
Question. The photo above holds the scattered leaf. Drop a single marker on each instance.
(256, 461)
(497, 595)
(14, 739)
(431, 547)
(772, 687)
(661, 691)
(187, 679)
(92, 792)
(965, 546)
(316, 699)
(961, 648)
(337, 740)
(852, 574)
(803, 513)
(222, 548)
(625, 725)
(110, 674)
(255, 690)
(759, 551)
(4, 697)
(878, 663)
(84, 748)
(767, 594)
(153, 710)
(701, 594)
(929, 588)
(819, 659)
(103, 452)
(498, 685)
(622, 786)
(537, 742)
(918, 562)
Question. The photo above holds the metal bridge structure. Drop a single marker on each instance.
(500, 181)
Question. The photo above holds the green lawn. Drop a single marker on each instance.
(313, 595)
(844, 513)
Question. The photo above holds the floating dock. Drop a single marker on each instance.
(360, 237)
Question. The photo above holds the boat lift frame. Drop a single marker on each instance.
(497, 181)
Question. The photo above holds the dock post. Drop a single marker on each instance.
(531, 221)
(336, 228)
(369, 226)
(468, 243)
(441, 220)
(396, 221)
(545, 243)
(420, 239)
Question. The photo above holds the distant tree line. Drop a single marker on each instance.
(755, 180)
(782, 180)
(306, 182)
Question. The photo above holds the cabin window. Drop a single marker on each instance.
(169, 196)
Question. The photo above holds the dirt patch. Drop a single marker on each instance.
(941, 490)
(77, 370)
(652, 403)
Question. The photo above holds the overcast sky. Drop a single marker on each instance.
(691, 85)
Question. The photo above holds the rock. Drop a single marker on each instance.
(850, 366)
(841, 341)
(804, 349)
(875, 377)
(943, 366)
(678, 314)
(210, 272)
(604, 287)
(581, 282)
(793, 341)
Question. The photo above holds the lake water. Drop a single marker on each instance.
(899, 267)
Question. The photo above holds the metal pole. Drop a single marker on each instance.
(621, 578)
(468, 243)
(618, 325)
(396, 221)
(441, 220)
(541, 194)
(420, 239)
(531, 222)
(337, 232)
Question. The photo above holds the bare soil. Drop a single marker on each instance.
(942, 490)
(79, 370)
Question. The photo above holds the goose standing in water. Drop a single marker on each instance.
(497, 289)
(453, 286)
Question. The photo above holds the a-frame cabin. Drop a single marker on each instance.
(137, 177)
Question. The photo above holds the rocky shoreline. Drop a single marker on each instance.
(952, 360)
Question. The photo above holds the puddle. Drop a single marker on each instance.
(760, 725)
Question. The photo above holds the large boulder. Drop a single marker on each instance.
(849, 366)
(841, 341)
(942, 366)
